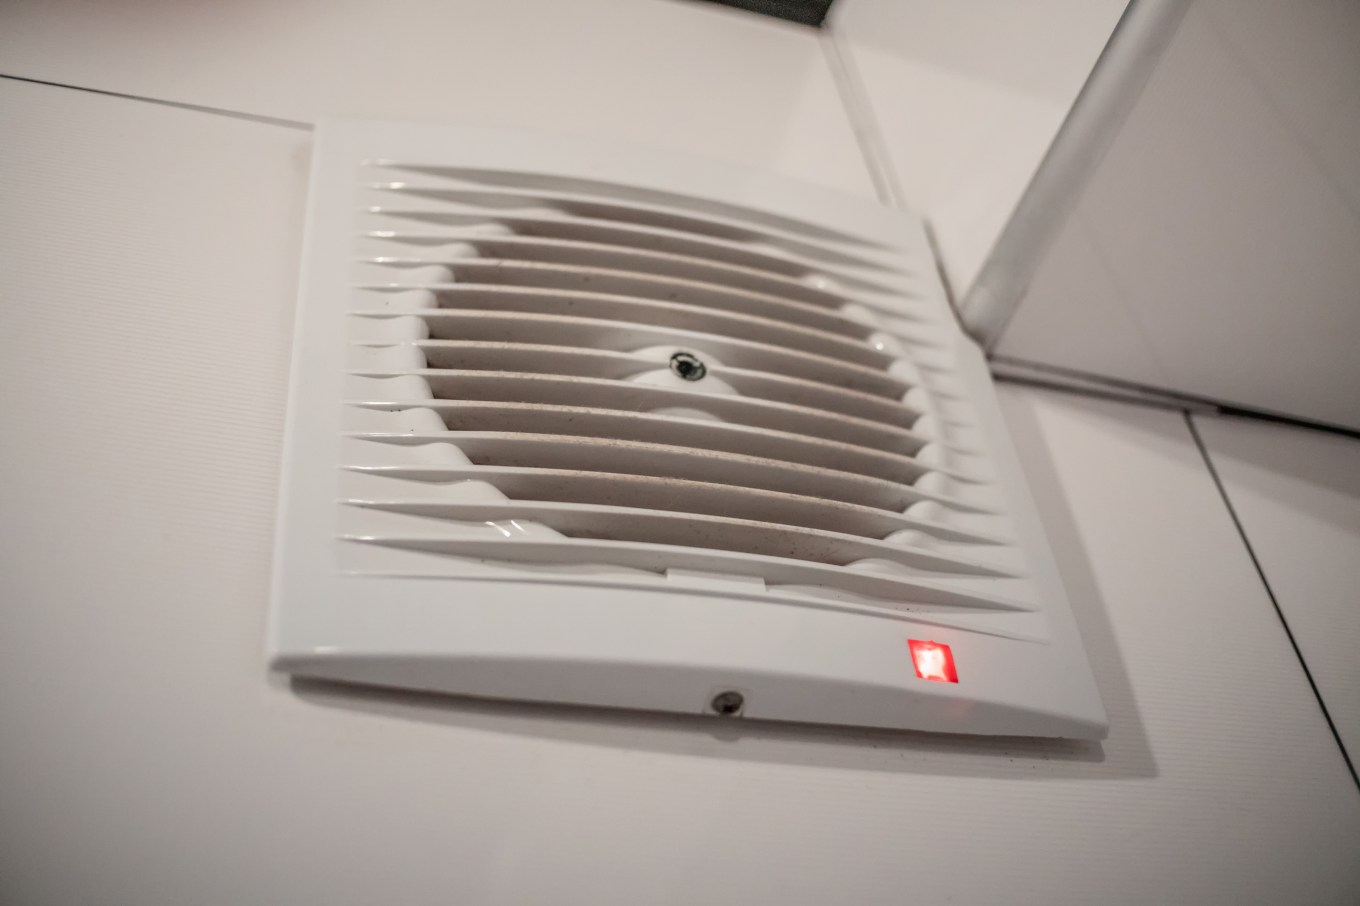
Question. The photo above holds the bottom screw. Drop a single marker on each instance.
(727, 703)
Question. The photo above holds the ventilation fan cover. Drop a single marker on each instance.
(589, 424)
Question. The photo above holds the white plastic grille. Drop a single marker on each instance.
(565, 372)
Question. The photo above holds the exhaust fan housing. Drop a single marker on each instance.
(588, 424)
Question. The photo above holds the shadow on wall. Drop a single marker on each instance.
(1126, 754)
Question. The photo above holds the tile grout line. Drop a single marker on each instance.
(873, 147)
(862, 123)
(1246, 542)
(180, 105)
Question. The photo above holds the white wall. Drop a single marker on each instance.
(692, 77)
(149, 757)
(146, 754)
(966, 98)
(1214, 252)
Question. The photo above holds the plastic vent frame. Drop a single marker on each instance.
(590, 424)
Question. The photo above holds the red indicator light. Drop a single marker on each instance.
(933, 661)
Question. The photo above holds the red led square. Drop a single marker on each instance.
(933, 661)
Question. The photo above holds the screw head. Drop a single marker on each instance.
(688, 366)
(727, 703)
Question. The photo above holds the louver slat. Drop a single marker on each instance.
(593, 254)
(774, 260)
(511, 327)
(705, 434)
(633, 193)
(569, 361)
(556, 451)
(699, 319)
(606, 522)
(894, 591)
(634, 396)
(793, 237)
(637, 286)
(650, 492)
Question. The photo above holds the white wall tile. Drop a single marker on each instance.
(689, 77)
(1297, 494)
(1226, 213)
(966, 98)
(1076, 314)
(1237, 254)
(1305, 59)
(1043, 48)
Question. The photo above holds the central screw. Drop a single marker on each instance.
(688, 366)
